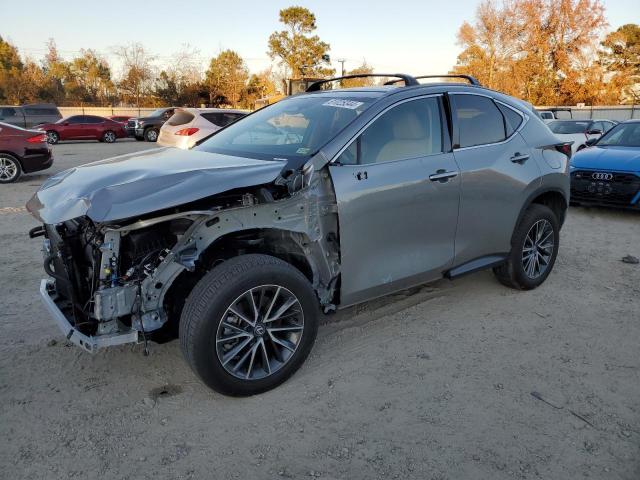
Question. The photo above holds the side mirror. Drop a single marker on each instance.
(594, 132)
(591, 142)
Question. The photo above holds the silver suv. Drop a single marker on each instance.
(325, 199)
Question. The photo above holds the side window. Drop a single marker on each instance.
(7, 112)
(512, 120)
(215, 118)
(90, 119)
(479, 121)
(76, 119)
(409, 130)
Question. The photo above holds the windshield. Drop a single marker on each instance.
(293, 128)
(622, 135)
(564, 127)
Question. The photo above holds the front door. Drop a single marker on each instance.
(398, 194)
(72, 128)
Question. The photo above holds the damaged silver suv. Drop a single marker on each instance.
(320, 201)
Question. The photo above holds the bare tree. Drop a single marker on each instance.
(137, 71)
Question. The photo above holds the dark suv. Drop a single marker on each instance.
(322, 200)
(28, 116)
(148, 128)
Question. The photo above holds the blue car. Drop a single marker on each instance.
(608, 172)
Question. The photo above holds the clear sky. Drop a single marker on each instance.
(413, 36)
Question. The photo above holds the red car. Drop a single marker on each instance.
(22, 151)
(84, 127)
(120, 118)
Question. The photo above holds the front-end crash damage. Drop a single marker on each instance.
(120, 281)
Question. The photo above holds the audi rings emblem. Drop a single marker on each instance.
(602, 176)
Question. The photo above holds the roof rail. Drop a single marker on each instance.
(408, 79)
(469, 78)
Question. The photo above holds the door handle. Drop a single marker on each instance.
(519, 158)
(362, 175)
(442, 176)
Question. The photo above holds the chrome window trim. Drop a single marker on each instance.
(363, 128)
(525, 119)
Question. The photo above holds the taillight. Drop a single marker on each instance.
(40, 138)
(185, 132)
(564, 148)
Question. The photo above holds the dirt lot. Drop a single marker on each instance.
(434, 383)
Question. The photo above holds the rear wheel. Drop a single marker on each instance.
(10, 169)
(52, 137)
(151, 135)
(534, 247)
(109, 137)
(249, 324)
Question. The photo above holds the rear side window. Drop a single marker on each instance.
(215, 118)
(180, 118)
(90, 119)
(479, 121)
(230, 118)
(512, 119)
(40, 111)
(75, 120)
(7, 112)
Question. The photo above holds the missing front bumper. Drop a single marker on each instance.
(89, 343)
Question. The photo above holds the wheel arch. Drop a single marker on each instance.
(289, 246)
(13, 155)
(552, 197)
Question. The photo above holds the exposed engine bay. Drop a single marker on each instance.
(128, 280)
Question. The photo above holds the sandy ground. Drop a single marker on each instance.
(434, 383)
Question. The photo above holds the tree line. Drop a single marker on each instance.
(548, 52)
(551, 52)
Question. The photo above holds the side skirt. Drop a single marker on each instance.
(476, 265)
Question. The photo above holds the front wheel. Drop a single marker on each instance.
(151, 135)
(534, 247)
(249, 324)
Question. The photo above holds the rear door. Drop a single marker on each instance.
(497, 168)
(397, 187)
(92, 127)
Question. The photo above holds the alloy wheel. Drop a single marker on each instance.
(538, 248)
(152, 135)
(52, 137)
(8, 169)
(109, 137)
(259, 332)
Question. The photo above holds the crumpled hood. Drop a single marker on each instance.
(139, 183)
(615, 159)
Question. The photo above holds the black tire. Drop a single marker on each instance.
(207, 307)
(109, 136)
(10, 168)
(52, 137)
(512, 273)
(140, 139)
(151, 134)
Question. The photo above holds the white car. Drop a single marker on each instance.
(189, 125)
(580, 132)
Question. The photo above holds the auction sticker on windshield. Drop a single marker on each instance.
(350, 104)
